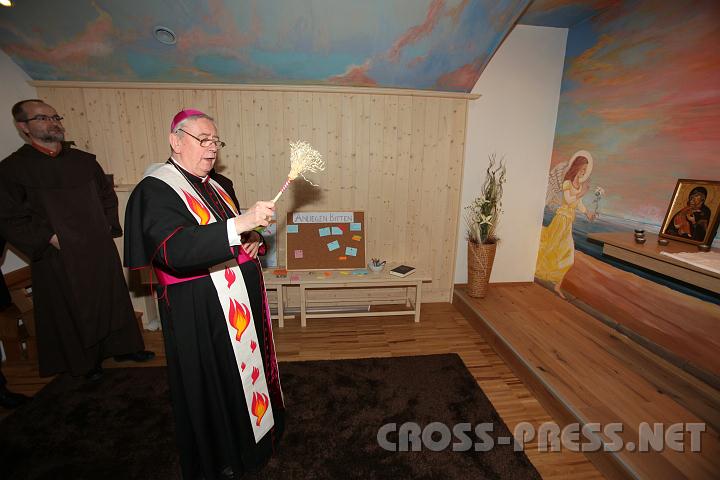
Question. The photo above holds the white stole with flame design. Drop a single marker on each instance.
(233, 295)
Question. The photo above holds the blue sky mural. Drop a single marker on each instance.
(564, 13)
(423, 44)
(640, 91)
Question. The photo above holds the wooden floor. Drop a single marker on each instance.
(442, 329)
(578, 364)
(656, 313)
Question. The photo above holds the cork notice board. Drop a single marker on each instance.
(325, 240)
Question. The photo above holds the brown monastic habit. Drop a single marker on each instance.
(83, 311)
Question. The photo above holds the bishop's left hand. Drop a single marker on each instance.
(251, 243)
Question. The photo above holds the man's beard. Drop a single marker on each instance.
(53, 136)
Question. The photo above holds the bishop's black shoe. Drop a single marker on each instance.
(141, 356)
(227, 474)
(10, 399)
(95, 374)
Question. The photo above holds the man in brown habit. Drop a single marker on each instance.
(59, 209)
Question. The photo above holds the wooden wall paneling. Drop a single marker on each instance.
(109, 122)
(429, 240)
(170, 103)
(298, 197)
(402, 181)
(456, 158)
(136, 127)
(70, 104)
(157, 124)
(127, 136)
(230, 130)
(291, 133)
(387, 179)
(331, 179)
(318, 139)
(94, 115)
(156, 152)
(279, 156)
(55, 97)
(290, 118)
(397, 157)
(251, 193)
(361, 125)
(373, 217)
(415, 233)
(116, 134)
(75, 104)
(305, 117)
(199, 99)
(279, 150)
(441, 214)
(261, 127)
(347, 152)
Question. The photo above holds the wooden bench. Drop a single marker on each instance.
(317, 280)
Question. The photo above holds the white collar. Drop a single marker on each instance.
(204, 179)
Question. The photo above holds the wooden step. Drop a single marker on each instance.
(584, 371)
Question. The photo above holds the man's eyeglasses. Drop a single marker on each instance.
(45, 118)
(205, 142)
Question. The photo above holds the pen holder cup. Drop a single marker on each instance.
(375, 268)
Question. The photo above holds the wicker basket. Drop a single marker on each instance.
(480, 262)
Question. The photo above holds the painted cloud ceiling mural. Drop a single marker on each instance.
(421, 44)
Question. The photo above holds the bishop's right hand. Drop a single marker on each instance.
(259, 215)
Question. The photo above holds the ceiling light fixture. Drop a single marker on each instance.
(163, 35)
(6, 3)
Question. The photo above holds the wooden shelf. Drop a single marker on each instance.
(621, 245)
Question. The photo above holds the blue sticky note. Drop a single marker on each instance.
(334, 245)
(351, 251)
(292, 229)
(337, 231)
(355, 227)
(324, 232)
(360, 271)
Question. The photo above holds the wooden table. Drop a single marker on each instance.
(622, 245)
(315, 280)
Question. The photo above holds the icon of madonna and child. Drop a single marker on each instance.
(568, 183)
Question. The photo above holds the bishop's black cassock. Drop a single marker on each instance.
(212, 421)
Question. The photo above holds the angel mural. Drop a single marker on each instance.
(567, 185)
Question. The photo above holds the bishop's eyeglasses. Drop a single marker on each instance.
(205, 142)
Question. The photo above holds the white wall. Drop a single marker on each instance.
(14, 88)
(514, 117)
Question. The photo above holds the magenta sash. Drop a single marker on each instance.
(166, 278)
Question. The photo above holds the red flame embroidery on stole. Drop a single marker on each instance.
(238, 317)
(230, 276)
(228, 200)
(255, 374)
(198, 208)
(259, 406)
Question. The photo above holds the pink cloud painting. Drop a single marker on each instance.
(641, 92)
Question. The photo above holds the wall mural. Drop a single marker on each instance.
(569, 182)
(563, 13)
(639, 109)
(420, 44)
(640, 93)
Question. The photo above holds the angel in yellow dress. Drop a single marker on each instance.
(557, 249)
